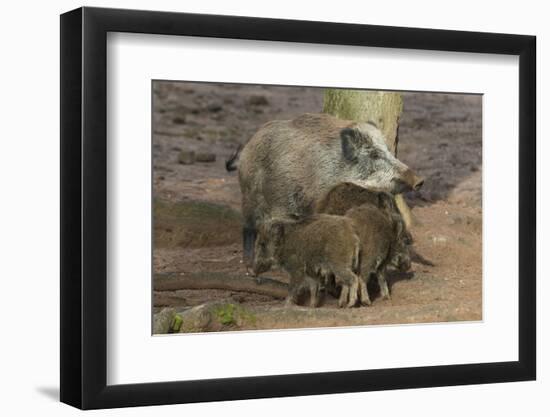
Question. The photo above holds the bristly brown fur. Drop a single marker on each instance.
(313, 251)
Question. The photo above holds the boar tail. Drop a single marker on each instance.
(231, 163)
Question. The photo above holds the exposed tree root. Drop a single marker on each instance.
(172, 281)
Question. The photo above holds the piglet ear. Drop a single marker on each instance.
(278, 230)
(401, 231)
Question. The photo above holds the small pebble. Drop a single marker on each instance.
(258, 101)
(205, 157)
(214, 108)
(439, 239)
(186, 157)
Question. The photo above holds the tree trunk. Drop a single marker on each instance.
(379, 107)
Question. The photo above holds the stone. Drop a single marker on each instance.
(439, 240)
(258, 100)
(214, 108)
(186, 157)
(162, 321)
(205, 157)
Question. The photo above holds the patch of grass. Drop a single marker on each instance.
(194, 224)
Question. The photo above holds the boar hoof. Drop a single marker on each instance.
(344, 293)
(385, 291)
(289, 302)
(353, 293)
(364, 295)
(352, 299)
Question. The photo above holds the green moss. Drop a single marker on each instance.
(226, 314)
(234, 315)
(176, 323)
(248, 317)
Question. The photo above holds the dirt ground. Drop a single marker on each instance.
(197, 217)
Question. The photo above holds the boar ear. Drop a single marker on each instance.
(372, 123)
(352, 141)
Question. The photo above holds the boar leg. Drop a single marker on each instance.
(292, 298)
(249, 239)
(350, 288)
(363, 293)
(314, 288)
(344, 295)
(383, 284)
(295, 287)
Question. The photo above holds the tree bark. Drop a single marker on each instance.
(379, 107)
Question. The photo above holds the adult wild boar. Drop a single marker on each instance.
(289, 164)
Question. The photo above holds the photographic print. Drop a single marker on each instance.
(287, 203)
(300, 207)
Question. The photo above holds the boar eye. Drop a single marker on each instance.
(375, 155)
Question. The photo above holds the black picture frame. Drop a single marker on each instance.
(84, 207)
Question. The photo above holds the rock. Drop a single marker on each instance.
(162, 321)
(473, 222)
(214, 107)
(456, 219)
(205, 157)
(196, 319)
(439, 239)
(258, 100)
(186, 157)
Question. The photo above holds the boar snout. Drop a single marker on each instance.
(408, 181)
(403, 263)
(418, 184)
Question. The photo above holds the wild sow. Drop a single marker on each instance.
(289, 164)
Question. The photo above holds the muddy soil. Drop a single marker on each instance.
(197, 205)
